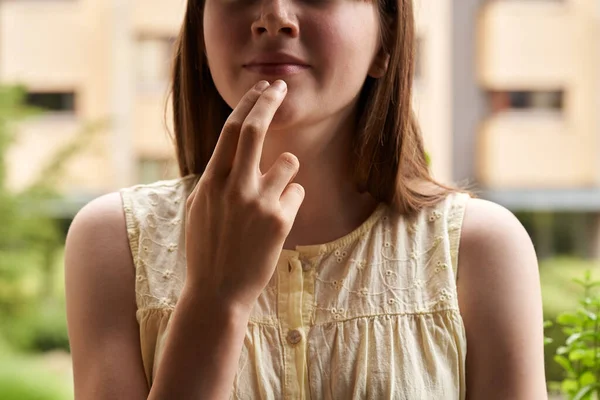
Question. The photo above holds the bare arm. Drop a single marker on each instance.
(100, 292)
(205, 338)
(500, 300)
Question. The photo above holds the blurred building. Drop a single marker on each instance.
(507, 92)
(90, 61)
(517, 86)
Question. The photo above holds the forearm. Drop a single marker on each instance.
(202, 350)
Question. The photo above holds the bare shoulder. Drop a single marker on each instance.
(500, 302)
(101, 305)
(98, 237)
(102, 219)
(490, 227)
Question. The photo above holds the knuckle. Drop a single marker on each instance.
(270, 97)
(278, 223)
(232, 126)
(252, 129)
(209, 185)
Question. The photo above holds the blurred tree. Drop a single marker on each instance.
(30, 239)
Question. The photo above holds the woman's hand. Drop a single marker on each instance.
(237, 217)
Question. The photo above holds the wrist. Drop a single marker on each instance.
(214, 303)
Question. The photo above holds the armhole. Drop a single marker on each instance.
(132, 225)
(458, 205)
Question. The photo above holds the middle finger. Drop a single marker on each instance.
(254, 129)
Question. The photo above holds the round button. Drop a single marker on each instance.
(306, 266)
(294, 337)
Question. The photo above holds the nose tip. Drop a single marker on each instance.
(275, 18)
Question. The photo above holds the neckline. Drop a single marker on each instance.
(324, 248)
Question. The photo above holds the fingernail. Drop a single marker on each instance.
(262, 85)
(279, 85)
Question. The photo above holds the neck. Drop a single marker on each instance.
(332, 205)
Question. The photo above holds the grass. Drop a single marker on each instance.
(28, 377)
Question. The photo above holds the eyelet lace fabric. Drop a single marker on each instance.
(373, 315)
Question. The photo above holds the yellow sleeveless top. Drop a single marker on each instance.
(372, 315)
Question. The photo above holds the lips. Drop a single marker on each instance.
(276, 64)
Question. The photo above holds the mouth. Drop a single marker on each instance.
(276, 64)
(276, 69)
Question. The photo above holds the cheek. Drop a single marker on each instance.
(222, 47)
(347, 42)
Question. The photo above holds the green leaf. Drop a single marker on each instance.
(591, 315)
(586, 302)
(574, 337)
(579, 282)
(562, 350)
(585, 391)
(568, 319)
(547, 324)
(569, 386)
(578, 354)
(548, 341)
(589, 362)
(587, 378)
(565, 363)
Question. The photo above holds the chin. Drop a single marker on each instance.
(287, 116)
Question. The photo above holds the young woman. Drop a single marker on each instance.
(305, 252)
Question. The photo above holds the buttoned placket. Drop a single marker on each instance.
(295, 304)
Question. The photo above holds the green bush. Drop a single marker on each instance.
(14, 388)
(40, 329)
(560, 294)
(579, 354)
(23, 379)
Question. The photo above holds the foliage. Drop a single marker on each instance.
(42, 327)
(579, 354)
(30, 238)
(26, 379)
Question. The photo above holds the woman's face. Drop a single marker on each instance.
(322, 49)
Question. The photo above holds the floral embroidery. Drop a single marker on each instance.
(441, 267)
(337, 284)
(164, 302)
(392, 278)
(435, 215)
(338, 313)
(361, 265)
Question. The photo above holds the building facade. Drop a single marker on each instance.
(507, 93)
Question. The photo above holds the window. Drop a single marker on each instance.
(52, 101)
(154, 55)
(501, 101)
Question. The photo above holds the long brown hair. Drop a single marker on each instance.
(391, 163)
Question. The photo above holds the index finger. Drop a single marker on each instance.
(221, 161)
